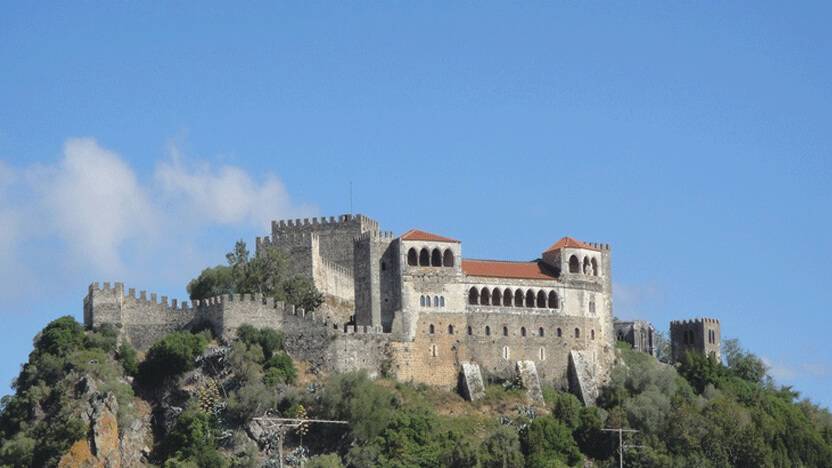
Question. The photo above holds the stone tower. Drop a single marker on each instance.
(700, 335)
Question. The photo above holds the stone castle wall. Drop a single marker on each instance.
(701, 335)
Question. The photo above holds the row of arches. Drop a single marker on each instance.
(516, 298)
(523, 332)
(425, 257)
(589, 266)
(438, 301)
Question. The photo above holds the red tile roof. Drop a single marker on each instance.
(568, 242)
(505, 269)
(417, 235)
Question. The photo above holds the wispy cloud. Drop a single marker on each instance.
(782, 371)
(88, 212)
(632, 299)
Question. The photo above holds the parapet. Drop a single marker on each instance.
(599, 246)
(323, 221)
(386, 236)
(694, 321)
(292, 238)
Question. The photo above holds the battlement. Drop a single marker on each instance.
(323, 221)
(694, 321)
(599, 246)
(117, 290)
(340, 269)
(375, 235)
(292, 238)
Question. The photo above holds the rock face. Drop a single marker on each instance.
(102, 448)
(582, 377)
(530, 380)
(471, 385)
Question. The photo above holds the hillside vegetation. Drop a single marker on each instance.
(82, 400)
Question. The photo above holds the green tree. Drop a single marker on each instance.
(170, 356)
(548, 440)
(192, 441)
(742, 363)
(501, 449)
(212, 282)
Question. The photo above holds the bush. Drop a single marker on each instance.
(129, 360)
(192, 441)
(60, 337)
(269, 339)
(548, 440)
(171, 356)
(329, 460)
(501, 449)
(280, 369)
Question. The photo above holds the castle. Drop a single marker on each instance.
(411, 307)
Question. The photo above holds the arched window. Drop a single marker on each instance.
(450, 329)
(424, 257)
(485, 296)
(506, 352)
(433, 351)
(497, 297)
(436, 258)
(431, 329)
(540, 331)
(518, 298)
(427, 301)
(422, 301)
(592, 334)
(448, 258)
(487, 330)
(574, 265)
(587, 266)
(594, 267)
(508, 297)
(541, 354)
(436, 301)
(577, 333)
(473, 296)
(441, 301)
(592, 306)
(523, 331)
(470, 331)
(412, 257)
(541, 299)
(529, 298)
(553, 300)
(560, 333)
(505, 331)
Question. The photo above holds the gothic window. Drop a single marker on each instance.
(577, 333)
(485, 296)
(436, 258)
(592, 306)
(523, 331)
(560, 333)
(412, 257)
(540, 331)
(505, 331)
(424, 257)
(587, 267)
(448, 258)
(496, 297)
(541, 299)
(487, 330)
(436, 301)
(422, 301)
(553, 300)
(574, 265)
(427, 301)
(529, 298)
(507, 297)
(594, 267)
(431, 329)
(518, 298)
(441, 301)
(473, 296)
(450, 329)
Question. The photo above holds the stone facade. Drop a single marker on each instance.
(409, 306)
(640, 334)
(701, 335)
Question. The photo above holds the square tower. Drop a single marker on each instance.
(701, 335)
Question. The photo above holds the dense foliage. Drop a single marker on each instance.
(265, 273)
(171, 356)
(43, 417)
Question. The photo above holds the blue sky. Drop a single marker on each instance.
(138, 140)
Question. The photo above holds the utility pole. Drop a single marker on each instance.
(621, 445)
(278, 427)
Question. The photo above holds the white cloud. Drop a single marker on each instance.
(96, 203)
(224, 194)
(783, 372)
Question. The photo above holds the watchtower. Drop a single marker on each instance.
(700, 335)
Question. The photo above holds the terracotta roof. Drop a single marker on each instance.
(568, 242)
(505, 269)
(417, 235)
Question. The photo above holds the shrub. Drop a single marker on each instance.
(171, 356)
(280, 369)
(501, 449)
(329, 460)
(60, 337)
(547, 440)
(269, 339)
(192, 441)
(128, 359)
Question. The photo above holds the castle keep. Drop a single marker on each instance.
(412, 307)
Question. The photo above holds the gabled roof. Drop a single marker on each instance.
(417, 235)
(504, 269)
(568, 242)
